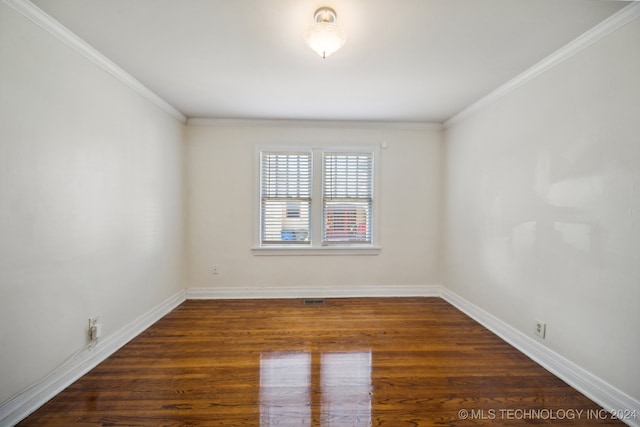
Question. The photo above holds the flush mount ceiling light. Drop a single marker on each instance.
(325, 36)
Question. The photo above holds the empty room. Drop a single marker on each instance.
(319, 213)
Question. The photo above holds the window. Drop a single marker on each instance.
(286, 197)
(347, 197)
(316, 199)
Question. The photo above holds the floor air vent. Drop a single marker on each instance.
(313, 301)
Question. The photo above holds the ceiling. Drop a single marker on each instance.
(404, 60)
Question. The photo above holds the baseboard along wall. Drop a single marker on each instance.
(601, 392)
(315, 292)
(604, 394)
(87, 358)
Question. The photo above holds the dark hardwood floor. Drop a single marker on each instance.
(349, 362)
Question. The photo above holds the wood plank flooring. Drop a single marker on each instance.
(349, 362)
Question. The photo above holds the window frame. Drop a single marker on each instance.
(317, 246)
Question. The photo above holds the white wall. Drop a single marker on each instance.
(543, 208)
(542, 199)
(221, 211)
(91, 200)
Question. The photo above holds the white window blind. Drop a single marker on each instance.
(285, 198)
(347, 198)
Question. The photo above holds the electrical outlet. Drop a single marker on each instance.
(540, 329)
(214, 269)
(95, 328)
(93, 321)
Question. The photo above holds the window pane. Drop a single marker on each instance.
(347, 197)
(286, 197)
(286, 175)
(347, 222)
(278, 226)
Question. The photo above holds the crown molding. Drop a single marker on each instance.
(207, 121)
(606, 27)
(58, 30)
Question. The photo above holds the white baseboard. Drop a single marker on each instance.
(23, 404)
(602, 393)
(315, 292)
(609, 397)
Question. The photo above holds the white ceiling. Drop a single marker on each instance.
(404, 60)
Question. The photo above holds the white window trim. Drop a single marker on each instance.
(316, 247)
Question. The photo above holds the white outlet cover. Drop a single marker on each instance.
(540, 329)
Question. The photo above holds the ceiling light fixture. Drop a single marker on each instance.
(325, 36)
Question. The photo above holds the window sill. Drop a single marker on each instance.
(322, 250)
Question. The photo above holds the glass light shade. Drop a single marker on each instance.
(325, 38)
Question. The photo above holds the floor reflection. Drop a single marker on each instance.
(303, 389)
(346, 389)
(285, 381)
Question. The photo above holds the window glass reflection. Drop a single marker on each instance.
(337, 393)
(346, 389)
(285, 380)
